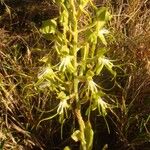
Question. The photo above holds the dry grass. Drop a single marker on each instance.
(21, 47)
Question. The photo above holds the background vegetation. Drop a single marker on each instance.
(23, 105)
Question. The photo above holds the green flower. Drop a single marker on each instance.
(102, 106)
(102, 61)
(99, 104)
(103, 31)
(66, 64)
(92, 86)
(62, 107)
(105, 62)
(47, 73)
(46, 78)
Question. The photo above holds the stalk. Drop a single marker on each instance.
(82, 127)
(76, 82)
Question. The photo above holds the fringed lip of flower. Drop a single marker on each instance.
(103, 31)
(63, 105)
(92, 86)
(102, 103)
(105, 61)
(102, 106)
(66, 63)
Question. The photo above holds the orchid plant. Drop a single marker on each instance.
(78, 37)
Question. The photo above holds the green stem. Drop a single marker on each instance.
(95, 43)
(75, 40)
(82, 127)
(76, 82)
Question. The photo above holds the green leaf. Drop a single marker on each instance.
(64, 17)
(101, 52)
(111, 70)
(89, 134)
(87, 113)
(99, 68)
(102, 14)
(49, 26)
